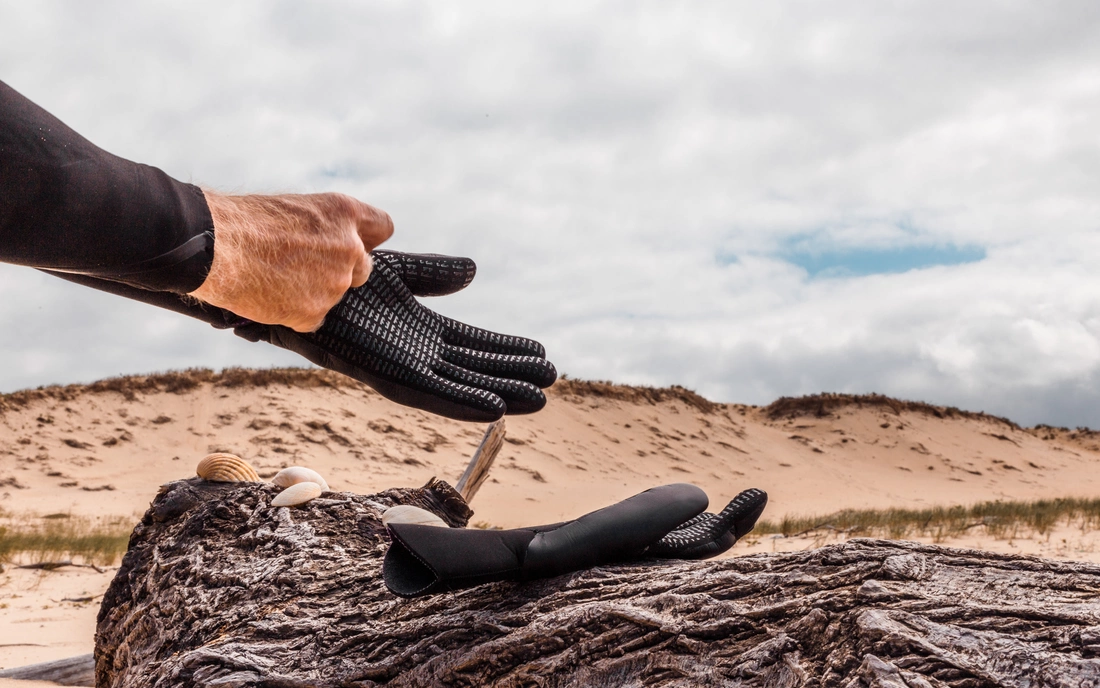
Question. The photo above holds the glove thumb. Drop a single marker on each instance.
(428, 274)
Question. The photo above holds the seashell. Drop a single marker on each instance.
(298, 493)
(299, 474)
(226, 468)
(403, 513)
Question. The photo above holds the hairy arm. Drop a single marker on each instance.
(288, 259)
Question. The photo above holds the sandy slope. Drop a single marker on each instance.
(102, 453)
(103, 449)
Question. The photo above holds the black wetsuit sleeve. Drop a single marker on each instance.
(68, 205)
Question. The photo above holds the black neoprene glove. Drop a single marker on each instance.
(381, 335)
(659, 523)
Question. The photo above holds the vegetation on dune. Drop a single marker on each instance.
(1001, 520)
(567, 386)
(821, 405)
(59, 537)
(181, 382)
(104, 541)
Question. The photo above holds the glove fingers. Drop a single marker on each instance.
(454, 400)
(708, 535)
(519, 396)
(461, 334)
(744, 510)
(537, 371)
(429, 274)
(740, 515)
(402, 381)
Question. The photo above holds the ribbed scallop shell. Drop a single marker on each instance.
(403, 513)
(299, 474)
(226, 468)
(298, 493)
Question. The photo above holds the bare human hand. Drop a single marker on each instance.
(288, 259)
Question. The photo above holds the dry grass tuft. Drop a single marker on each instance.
(1082, 436)
(629, 393)
(60, 536)
(181, 382)
(822, 405)
(1001, 520)
(291, 377)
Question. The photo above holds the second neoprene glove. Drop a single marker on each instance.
(661, 523)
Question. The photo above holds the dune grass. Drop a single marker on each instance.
(58, 537)
(1001, 520)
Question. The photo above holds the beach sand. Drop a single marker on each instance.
(101, 451)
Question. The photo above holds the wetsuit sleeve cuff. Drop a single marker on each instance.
(183, 269)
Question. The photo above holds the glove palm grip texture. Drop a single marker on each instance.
(708, 535)
(428, 559)
(381, 335)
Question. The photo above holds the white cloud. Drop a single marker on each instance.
(626, 175)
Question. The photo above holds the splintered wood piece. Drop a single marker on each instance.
(478, 469)
(74, 671)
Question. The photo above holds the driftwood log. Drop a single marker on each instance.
(220, 589)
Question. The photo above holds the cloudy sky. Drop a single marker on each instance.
(750, 200)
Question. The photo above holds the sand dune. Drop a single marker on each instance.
(103, 449)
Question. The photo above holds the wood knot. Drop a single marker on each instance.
(911, 566)
(874, 590)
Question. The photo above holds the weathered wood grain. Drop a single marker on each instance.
(220, 589)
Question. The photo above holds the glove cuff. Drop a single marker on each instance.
(428, 559)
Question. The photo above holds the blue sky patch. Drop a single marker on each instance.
(725, 257)
(860, 262)
(347, 169)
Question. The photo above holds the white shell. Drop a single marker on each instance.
(298, 493)
(226, 468)
(403, 513)
(299, 474)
